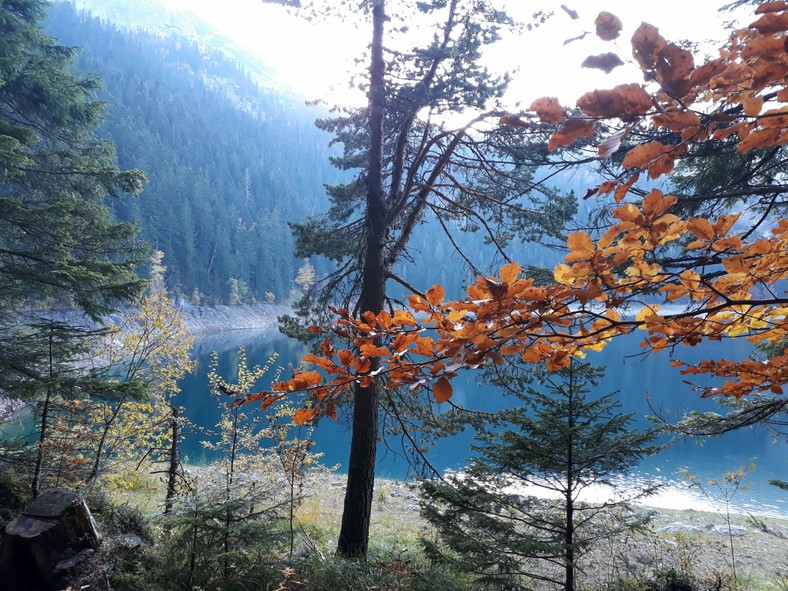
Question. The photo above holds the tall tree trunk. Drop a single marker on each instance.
(108, 424)
(172, 471)
(569, 532)
(35, 485)
(357, 512)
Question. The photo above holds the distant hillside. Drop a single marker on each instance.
(229, 164)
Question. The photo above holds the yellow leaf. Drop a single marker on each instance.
(627, 213)
(404, 318)
(563, 274)
(646, 312)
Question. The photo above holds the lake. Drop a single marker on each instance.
(645, 384)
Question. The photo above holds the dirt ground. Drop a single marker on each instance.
(698, 542)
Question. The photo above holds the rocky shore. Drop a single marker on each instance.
(698, 541)
(203, 320)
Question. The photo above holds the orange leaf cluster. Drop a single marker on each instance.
(598, 290)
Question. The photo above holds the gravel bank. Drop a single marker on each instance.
(698, 541)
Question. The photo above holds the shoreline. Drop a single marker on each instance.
(210, 320)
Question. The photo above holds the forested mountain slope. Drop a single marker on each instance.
(228, 163)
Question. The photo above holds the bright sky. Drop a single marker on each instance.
(313, 59)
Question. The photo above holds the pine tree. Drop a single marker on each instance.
(558, 443)
(58, 242)
(59, 245)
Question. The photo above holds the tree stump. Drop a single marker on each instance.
(53, 529)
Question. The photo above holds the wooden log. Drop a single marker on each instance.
(55, 527)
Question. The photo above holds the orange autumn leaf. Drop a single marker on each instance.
(346, 357)
(510, 272)
(703, 74)
(622, 190)
(442, 390)
(362, 365)
(571, 130)
(752, 104)
(771, 23)
(513, 120)
(623, 100)
(435, 294)
(417, 303)
(581, 246)
(771, 7)
(303, 415)
(548, 109)
(646, 45)
(643, 155)
(404, 318)
(701, 227)
(608, 26)
(676, 119)
(607, 187)
(673, 70)
(761, 138)
(372, 350)
(774, 118)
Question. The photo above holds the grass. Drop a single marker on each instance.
(395, 561)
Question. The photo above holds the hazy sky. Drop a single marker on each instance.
(314, 58)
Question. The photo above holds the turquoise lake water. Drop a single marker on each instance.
(645, 384)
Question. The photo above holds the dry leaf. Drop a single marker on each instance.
(548, 109)
(607, 62)
(608, 26)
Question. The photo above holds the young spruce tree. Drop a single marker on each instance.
(558, 443)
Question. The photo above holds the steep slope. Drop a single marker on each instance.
(229, 164)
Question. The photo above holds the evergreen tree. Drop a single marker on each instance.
(59, 245)
(560, 443)
(58, 241)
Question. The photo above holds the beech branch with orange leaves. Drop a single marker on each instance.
(732, 291)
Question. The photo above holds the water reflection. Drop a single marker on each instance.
(646, 384)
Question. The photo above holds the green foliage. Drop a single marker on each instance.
(59, 242)
(557, 443)
(119, 518)
(229, 163)
(383, 571)
(195, 552)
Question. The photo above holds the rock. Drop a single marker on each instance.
(130, 541)
(69, 563)
(677, 527)
(736, 530)
(48, 538)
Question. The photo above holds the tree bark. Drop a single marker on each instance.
(569, 533)
(354, 534)
(172, 471)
